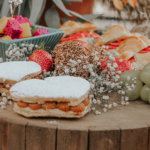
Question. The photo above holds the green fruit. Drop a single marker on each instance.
(131, 73)
(33, 30)
(145, 92)
(134, 93)
(145, 76)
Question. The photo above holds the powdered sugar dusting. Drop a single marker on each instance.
(16, 70)
(52, 87)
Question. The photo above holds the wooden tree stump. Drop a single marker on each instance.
(121, 128)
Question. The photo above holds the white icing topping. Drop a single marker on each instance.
(75, 89)
(16, 70)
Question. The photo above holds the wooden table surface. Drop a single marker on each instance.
(121, 128)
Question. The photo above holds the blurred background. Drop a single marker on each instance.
(103, 13)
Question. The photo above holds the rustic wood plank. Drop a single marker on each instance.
(134, 137)
(40, 136)
(104, 138)
(72, 138)
(12, 135)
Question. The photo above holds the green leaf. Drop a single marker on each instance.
(52, 18)
(89, 17)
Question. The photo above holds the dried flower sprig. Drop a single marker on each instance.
(13, 4)
(15, 53)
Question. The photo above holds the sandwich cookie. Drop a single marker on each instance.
(16, 71)
(61, 96)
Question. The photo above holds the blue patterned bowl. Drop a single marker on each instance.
(50, 40)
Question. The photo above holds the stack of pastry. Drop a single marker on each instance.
(14, 72)
(128, 45)
(61, 96)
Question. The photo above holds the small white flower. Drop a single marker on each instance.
(132, 86)
(4, 99)
(99, 113)
(119, 72)
(105, 109)
(126, 98)
(112, 85)
(91, 96)
(36, 46)
(120, 60)
(73, 70)
(115, 65)
(93, 108)
(10, 102)
(98, 102)
(7, 53)
(94, 101)
(79, 61)
(98, 63)
(81, 57)
(96, 58)
(96, 52)
(105, 105)
(129, 89)
(110, 106)
(8, 97)
(105, 97)
(3, 107)
(85, 57)
(93, 74)
(17, 53)
(67, 71)
(93, 54)
(84, 67)
(3, 94)
(31, 45)
(117, 77)
(96, 112)
(123, 103)
(114, 104)
(116, 54)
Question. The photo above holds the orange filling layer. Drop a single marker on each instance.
(63, 106)
(8, 87)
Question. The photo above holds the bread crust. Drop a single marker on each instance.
(142, 58)
(71, 27)
(126, 55)
(133, 44)
(112, 34)
(27, 112)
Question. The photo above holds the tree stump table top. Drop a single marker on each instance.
(121, 128)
